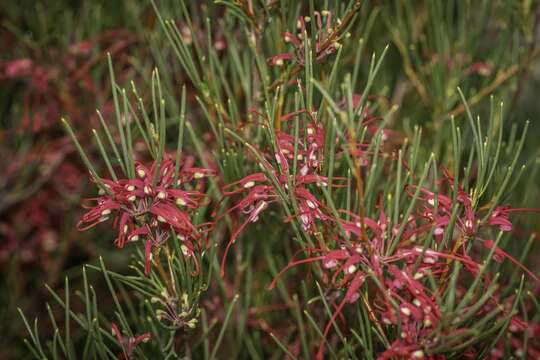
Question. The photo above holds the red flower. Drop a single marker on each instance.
(150, 206)
(128, 344)
(500, 217)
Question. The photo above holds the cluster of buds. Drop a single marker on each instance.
(326, 39)
(176, 312)
(152, 206)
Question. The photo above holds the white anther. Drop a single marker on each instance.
(180, 202)
(330, 264)
(406, 311)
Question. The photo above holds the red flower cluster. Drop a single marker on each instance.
(151, 206)
(404, 298)
(259, 191)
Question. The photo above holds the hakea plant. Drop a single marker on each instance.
(378, 247)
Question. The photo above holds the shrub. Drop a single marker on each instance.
(282, 198)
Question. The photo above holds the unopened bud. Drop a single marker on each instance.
(185, 250)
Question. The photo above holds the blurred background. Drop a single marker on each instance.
(53, 64)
